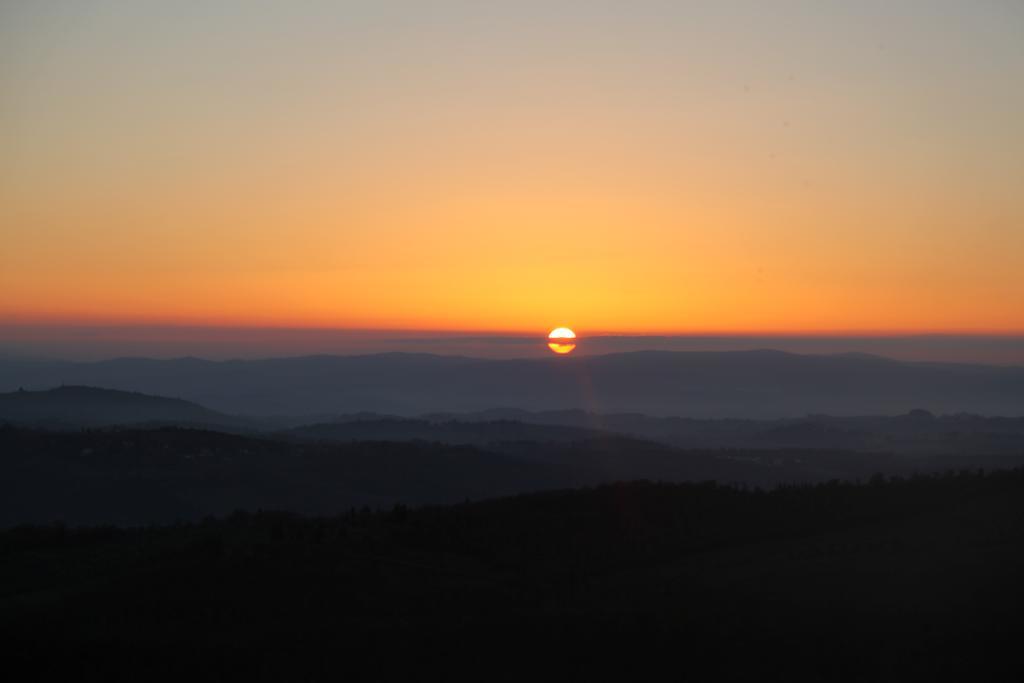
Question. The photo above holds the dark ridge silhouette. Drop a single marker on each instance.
(145, 475)
(898, 579)
(916, 432)
(80, 406)
(749, 384)
(481, 433)
(140, 476)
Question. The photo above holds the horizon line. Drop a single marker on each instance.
(511, 333)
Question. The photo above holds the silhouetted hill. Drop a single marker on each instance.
(898, 580)
(139, 476)
(916, 432)
(133, 476)
(79, 406)
(479, 433)
(757, 384)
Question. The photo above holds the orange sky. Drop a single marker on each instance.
(665, 169)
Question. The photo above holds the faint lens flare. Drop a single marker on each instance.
(562, 340)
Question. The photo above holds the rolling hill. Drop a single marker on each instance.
(81, 406)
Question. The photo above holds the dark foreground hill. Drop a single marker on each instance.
(752, 384)
(146, 475)
(908, 580)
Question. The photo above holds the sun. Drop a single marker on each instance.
(562, 340)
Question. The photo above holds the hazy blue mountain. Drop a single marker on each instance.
(756, 384)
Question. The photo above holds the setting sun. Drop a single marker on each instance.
(562, 340)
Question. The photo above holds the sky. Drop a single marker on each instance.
(635, 167)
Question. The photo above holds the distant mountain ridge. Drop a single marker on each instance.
(917, 432)
(163, 458)
(749, 384)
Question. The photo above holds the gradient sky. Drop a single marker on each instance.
(635, 166)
